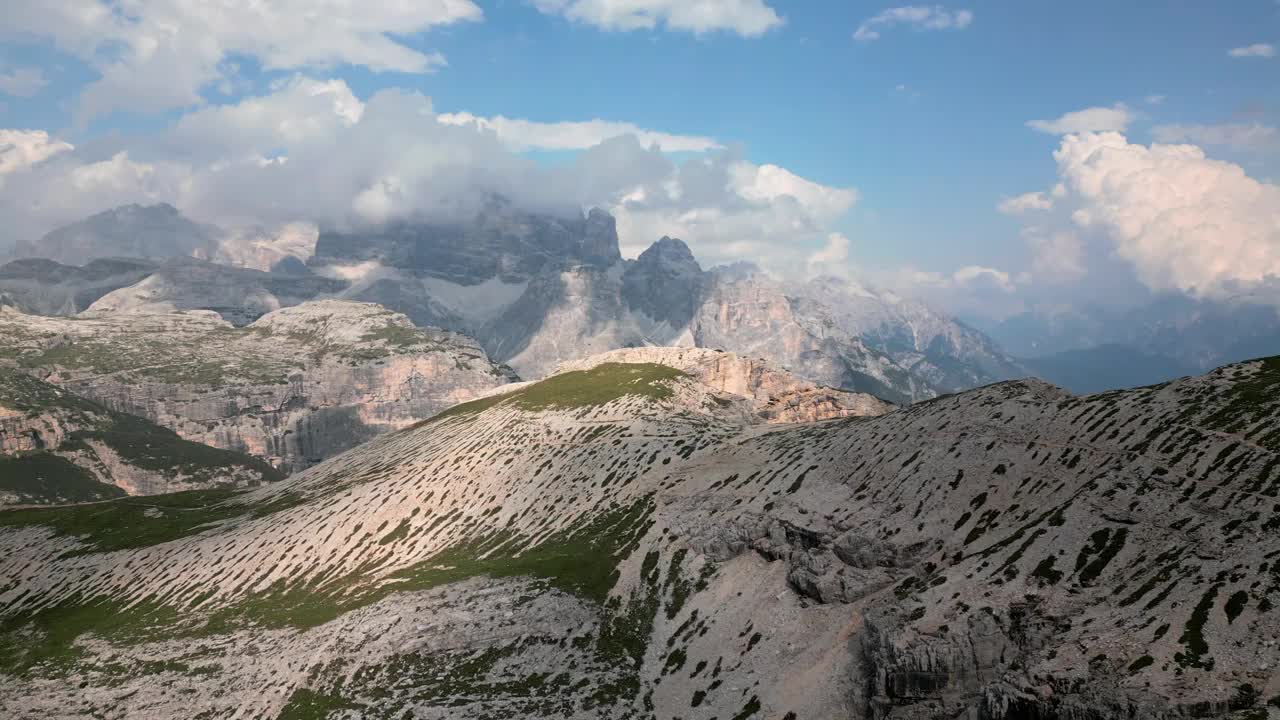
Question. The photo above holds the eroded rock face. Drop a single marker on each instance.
(56, 447)
(294, 387)
(774, 394)
(616, 543)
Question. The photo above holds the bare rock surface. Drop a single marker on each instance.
(294, 387)
(614, 542)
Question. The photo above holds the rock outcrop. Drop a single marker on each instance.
(56, 447)
(294, 387)
(625, 541)
(774, 395)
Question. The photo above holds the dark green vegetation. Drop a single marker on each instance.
(131, 522)
(581, 388)
(45, 477)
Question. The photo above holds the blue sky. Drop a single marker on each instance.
(928, 124)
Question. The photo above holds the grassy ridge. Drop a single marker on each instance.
(601, 384)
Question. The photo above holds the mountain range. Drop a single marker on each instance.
(534, 291)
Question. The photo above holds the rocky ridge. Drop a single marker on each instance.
(294, 387)
(625, 541)
(56, 447)
(775, 395)
(538, 289)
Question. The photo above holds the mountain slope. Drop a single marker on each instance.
(56, 447)
(624, 542)
(294, 387)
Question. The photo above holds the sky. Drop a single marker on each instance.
(990, 155)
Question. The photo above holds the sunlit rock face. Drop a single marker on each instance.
(294, 387)
(56, 447)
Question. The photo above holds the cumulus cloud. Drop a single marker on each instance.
(529, 135)
(20, 149)
(979, 276)
(832, 258)
(1183, 220)
(1257, 50)
(158, 54)
(918, 17)
(22, 82)
(1025, 202)
(727, 208)
(1094, 119)
(1057, 256)
(312, 151)
(1240, 136)
(748, 18)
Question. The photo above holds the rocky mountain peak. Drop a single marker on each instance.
(136, 231)
(665, 283)
(600, 239)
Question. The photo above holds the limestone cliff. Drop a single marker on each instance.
(296, 386)
(56, 447)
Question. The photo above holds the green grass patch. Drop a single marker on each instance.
(43, 478)
(131, 522)
(581, 388)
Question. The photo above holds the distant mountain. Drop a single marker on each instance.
(239, 295)
(152, 232)
(534, 289)
(46, 287)
(1198, 334)
(629, 540)
(1106, 367)
(539, 290)
(56, 447)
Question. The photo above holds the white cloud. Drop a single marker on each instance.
(1094, 119)
(1025, 203)
(1255, 136)
(1184, 221)
(158, 54)
(20, 149)
(312, 151)
(1257, 50)
(918, 17)
(299, 110)
(1058, 256)
(728, 209)
(748, 18)
(22, 82)
(529, 135)
(978, 276)
(832, 258)
(1154, 99)
(770, 183)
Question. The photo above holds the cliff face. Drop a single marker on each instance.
(626, 541)
(56, 447)
(296, 386)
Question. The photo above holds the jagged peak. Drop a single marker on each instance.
(668, 251)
